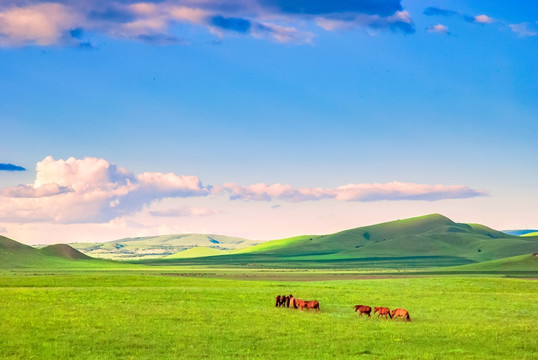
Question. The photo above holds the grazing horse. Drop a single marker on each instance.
(293, 302)
(400, 312)
(299, 303)
(283, 300)
(312, 304)
(382, 311)
(363, 309)
(277, 301)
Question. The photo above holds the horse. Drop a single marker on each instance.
(400, 312)
(382, 311)
(277, 301)
(299, 303)
(283, 300)
(312, 304)
(363, 309)
(288, 300)
(293, 302)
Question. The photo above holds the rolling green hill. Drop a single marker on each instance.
(16, 255)
(426, 241)
(521, 263)
(199, 251)
(160, 246)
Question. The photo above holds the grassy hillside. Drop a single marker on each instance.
(426, 241)
(160, 246)
(535, 233)
(521, 263)
(15, 255)
(196, 252)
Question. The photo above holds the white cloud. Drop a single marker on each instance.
(351, 192)
(438, 28)
(523, 29)
(41, 24)
(90, 190)
(93, 190)
(483, 19)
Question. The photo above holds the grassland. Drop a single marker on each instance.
(145, 315)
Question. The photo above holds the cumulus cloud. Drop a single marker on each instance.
(351, 192)
(90, 190)
(62, 22)
(11, 167)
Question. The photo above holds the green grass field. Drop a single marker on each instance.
(139, 314)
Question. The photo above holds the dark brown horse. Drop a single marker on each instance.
(288, 299)
(382, 311)
(277, 301)
(363, 309)
(400, 312)
(283, 300)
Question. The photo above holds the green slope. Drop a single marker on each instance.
(160, 246)
(196, 252)
(431, 240)
(16, 255)
(526, 263)
(535, 233)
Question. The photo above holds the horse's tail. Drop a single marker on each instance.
(390, 314)
(408, 317)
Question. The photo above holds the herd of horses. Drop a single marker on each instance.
(383, 312)
(296, 303)
(291, 301)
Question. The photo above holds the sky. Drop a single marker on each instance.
(264, 118)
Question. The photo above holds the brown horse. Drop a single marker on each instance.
(277, 301)
(288, 299)
(400, 312)
(312, 304)
(283, 300)
(293, 302)
(299, 303)
(363, 309)
(382, 311)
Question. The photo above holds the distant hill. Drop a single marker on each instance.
(426, 241)
(16, 255)
(520, 232)
(160, 246)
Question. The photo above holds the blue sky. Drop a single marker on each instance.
(394, 98)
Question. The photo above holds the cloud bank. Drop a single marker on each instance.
(93, 190)
(72, 22)
(392, 191)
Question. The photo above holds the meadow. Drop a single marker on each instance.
(186, 313)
